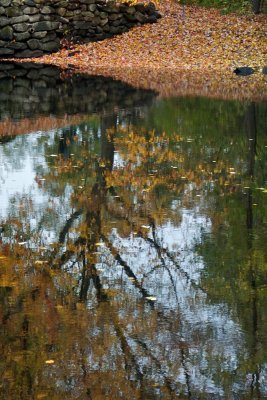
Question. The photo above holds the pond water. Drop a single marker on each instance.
(132, 242)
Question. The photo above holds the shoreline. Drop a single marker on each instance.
(195, 55)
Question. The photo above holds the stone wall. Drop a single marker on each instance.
(30, 28)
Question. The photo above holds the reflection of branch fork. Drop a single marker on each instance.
(159, 313)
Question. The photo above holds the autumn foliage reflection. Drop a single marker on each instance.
(95, 302)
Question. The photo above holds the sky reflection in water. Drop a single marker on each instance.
(133, 231)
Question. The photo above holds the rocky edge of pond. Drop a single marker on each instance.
(32, 90)
(31, 28)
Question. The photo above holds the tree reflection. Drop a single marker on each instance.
(99, 300)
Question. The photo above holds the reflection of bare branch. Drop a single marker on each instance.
(170, 384)
(127, 351)
(134, 280)
(130, 358)
(64, 231)
(175, 263)
(128, 270)
(159, 249)
(90, 272)
(146, 295)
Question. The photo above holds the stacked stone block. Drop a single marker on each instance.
(30, 28)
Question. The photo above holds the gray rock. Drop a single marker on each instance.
(92, 7)
(111, 8)
(106, 28)
(50, 71)
(116, 29)
(119, 22)
(19, 20)
(29, 3)
(103, 14)
(6, 52)
(62, 4)
(34, 18)
(17, 46)
(5, 3)
(49, 37)
(81, 25)
(63, 20)
(39, 35)
(30, 11)
(88, 14)
(50, 46)
(4, 21)
(131, 17)
(45, 26)
(29, 53)
(22, 36)
(34, 44)
(87, 1)
(140, 17)
(103, 22)
(151, 19)
(13, 11)
(6, 33)
(113, 17)
(96, 21)
(21, 27)
(140, 7)
(33, 74)
(150, 8)
(6, 67)
(131, 10)
(61, 11)
(47, 10)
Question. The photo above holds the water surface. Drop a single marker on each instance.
(133, 242)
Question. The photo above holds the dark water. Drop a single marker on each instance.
(133, 242)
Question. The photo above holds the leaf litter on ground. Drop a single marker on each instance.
(189, 51)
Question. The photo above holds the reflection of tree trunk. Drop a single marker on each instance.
(256, 6)
(25, 333)
(65, 138)
(251, 130)
(107, 145)
(93, 217)
(89, 272)
(65, 230)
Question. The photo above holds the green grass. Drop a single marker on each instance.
(238, 6)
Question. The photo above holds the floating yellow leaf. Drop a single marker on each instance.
(40, 262)
(41, 395)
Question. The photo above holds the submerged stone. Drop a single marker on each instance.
(244, 71)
